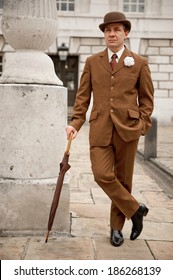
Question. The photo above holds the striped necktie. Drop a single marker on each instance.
(113, 61)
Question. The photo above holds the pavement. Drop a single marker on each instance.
(89, 208)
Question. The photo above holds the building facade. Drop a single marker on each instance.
(151, 36)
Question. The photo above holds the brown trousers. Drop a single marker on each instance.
(112, 168)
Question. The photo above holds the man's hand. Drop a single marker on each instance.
(69, 130)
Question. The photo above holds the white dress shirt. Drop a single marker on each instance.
(119, 53)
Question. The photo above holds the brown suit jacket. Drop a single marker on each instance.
(122, 98)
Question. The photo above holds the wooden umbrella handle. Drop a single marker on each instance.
(69, 143)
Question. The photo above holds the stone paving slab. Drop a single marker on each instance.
(162, 250)
(81, 195)
(131, 250)
(100, 197)
(159, 215)
(98, 211)
(88, 227)
(144, 183)
(157, 231)
(159, 199)
(12, 248)
(60, 248)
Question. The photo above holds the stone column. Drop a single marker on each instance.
(33, 114)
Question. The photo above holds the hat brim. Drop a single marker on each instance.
(126, 23)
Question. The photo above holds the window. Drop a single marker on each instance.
(65, 5)
(134, 6)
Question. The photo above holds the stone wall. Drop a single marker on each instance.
(160, 57)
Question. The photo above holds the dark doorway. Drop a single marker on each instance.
(67, 72)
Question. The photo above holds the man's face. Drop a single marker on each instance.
(115, 34)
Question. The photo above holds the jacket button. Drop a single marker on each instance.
(112, 77)
(112, 110)
(111, 99)
(112, 88)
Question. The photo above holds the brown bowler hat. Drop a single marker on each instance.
(114, 17)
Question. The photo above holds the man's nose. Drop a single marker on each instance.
(112, 33)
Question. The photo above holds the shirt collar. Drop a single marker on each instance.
(119, 53)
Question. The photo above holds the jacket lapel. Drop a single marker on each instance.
(105, 61)
(120, 63)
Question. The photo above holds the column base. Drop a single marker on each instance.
(32, 144)
(19, 69)
(25, 207)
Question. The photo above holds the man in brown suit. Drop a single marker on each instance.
(122, 90)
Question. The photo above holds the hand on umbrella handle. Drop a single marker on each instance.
(69, 143)
(70, 129)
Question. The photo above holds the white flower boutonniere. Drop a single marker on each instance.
(129, 61)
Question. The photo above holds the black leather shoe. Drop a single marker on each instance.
(116, 238)
(137, 220)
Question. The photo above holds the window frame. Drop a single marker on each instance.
(134, 4)
(66, 4)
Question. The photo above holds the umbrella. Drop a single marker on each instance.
(64, 166)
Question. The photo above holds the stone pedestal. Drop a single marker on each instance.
(25, 206)
(33, 115)
(32, 144)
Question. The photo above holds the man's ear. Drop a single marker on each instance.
(126, 34)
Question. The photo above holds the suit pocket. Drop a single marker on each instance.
(135, 122)
(93, 116)
(133, 114)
